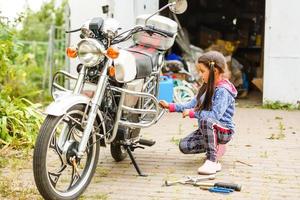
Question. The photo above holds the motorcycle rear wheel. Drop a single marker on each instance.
(57, 183)
(118, 152)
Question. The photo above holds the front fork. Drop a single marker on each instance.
(77, 89)
(95, 103)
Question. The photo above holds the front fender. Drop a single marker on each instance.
(63, 103)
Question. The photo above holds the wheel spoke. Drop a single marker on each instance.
(54, 176)
(75, 177)
(74, 120)
(55, 147)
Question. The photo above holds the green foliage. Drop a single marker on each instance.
(281, 106)
(19, 122)
(19, 74)
(36, 25)
(22, 71)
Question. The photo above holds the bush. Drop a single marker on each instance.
(21, 74)
(19, 121)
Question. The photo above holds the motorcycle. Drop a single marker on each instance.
(126, 82)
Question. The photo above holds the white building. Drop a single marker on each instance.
(282, 51)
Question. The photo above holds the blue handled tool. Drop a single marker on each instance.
(220, 190)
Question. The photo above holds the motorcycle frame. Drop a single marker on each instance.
(151, 106)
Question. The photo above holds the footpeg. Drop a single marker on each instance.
(145, 142)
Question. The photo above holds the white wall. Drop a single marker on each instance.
(80, 12)
(282, 51)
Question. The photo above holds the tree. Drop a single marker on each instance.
(36, 25)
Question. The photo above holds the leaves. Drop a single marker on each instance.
(19, 122)
(42, 20)
(21, 73)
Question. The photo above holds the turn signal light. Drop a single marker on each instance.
(112, 52)
(71, 52)
(111, 71)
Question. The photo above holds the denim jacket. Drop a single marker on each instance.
(223, 105)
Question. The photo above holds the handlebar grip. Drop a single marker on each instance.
(157, 30)
(168, 33)
(233, 186)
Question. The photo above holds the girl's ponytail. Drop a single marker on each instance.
(208, 89)
(207, 103)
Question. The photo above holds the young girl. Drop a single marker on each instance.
(213, 107)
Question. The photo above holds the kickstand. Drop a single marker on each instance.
(134, 162)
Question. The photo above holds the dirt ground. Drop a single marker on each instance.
(263, 157)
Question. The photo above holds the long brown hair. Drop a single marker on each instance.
(211, 60)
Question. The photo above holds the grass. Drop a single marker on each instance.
(97, 196)
(280, 135)
(14, 159)
(264, 154)
(11, 189)
(3, 162)
(102, 172)
(175, 140)
(277, 105)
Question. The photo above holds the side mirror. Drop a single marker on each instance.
(177, 6)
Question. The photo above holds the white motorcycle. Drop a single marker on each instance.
(124, 101)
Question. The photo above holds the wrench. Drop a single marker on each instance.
(190, 180)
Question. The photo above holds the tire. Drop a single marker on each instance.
(47, 144)
(116, 149)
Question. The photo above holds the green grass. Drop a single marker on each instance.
(277, 105)
(280, 135)
(175, 140)
(10, 188)
(102, 172)
(100, 196)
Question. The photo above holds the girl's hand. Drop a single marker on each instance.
(164, 104)
(185, 113)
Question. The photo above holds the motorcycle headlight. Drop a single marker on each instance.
(90, 52)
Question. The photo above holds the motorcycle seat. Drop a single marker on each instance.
(146, 59)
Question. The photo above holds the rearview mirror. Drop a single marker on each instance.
(178, 6)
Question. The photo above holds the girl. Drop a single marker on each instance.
(213, 107)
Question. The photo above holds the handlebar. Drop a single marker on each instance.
(137, 29)
(160, 31)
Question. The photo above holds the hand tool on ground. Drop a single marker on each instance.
(233, 186)
(190, 180)
(220, 190)
(217, 189)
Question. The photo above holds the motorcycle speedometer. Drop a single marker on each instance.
(90, 52)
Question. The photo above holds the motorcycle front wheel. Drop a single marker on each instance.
(58, 173)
